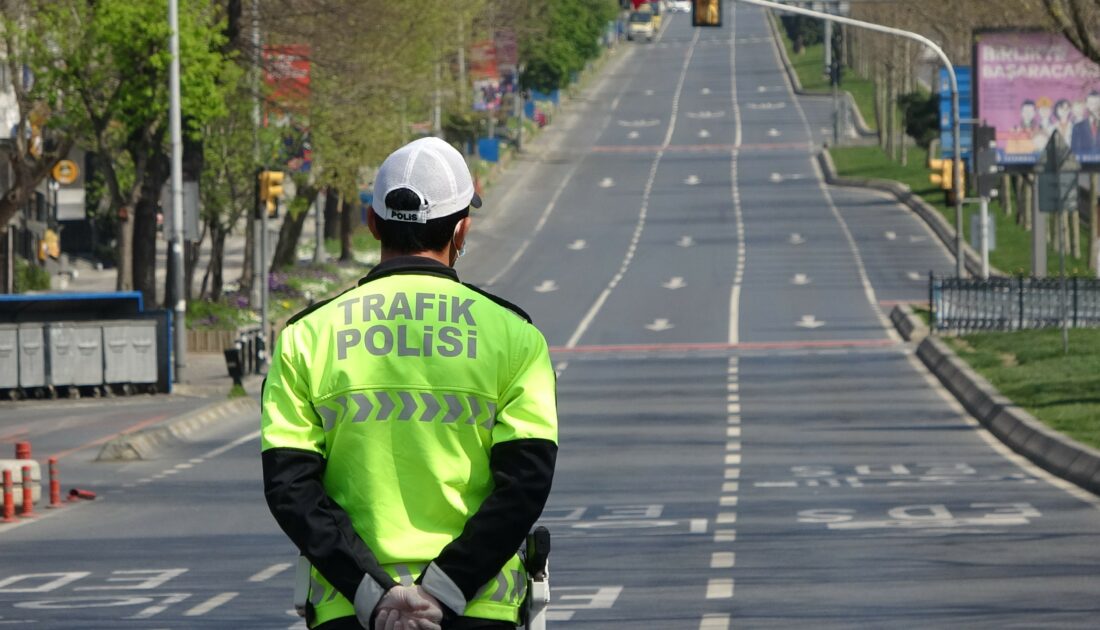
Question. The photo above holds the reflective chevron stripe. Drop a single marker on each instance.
(364, 405)
(387, 405)
(454, 408)
(431, 407)
(404, 406)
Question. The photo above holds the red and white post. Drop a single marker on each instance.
(28, 494)
(9, 498)
(55, 485)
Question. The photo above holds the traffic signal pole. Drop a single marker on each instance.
(960, 268)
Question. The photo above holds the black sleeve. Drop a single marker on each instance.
(522, 473)
(316, 524)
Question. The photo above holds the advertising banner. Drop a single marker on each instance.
(1030, 84)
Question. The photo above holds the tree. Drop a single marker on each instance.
(569, 41)
(38, 142)
(1078, 19)
(103, 69)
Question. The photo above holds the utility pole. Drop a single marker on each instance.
(175, 251)
(960, 268)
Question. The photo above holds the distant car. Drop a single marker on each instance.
(641, 26)
(679, 6)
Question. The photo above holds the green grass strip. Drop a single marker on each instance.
(1029, 367)
(1013, 253)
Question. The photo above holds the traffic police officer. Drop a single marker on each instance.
(409, 427)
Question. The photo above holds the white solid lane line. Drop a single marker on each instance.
(586, 321)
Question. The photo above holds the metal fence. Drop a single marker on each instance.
(969, 304)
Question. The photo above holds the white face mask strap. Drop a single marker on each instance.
(461, 250)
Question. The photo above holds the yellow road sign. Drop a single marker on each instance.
(65, 172)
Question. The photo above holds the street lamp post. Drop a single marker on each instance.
(960, 268)
(175, 250)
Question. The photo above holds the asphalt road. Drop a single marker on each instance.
(743, 441)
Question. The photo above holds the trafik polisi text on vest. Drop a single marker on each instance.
(441, 339)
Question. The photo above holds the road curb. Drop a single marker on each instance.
(908, 325)
(1018, 429)
(905, 196)
(861, 126)
(147, 443)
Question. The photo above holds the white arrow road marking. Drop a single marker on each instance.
(577, 245)
(547, 286)
(703, 133)
(659, 324)
(796, 239)
(675, 282)
(914, 276)
(607, 182)
(891, 236)
(808, 321)
(800, 279)
(779, 177)
(639, 123)
(685, 241)
(692, 180)
(706, 115)
(704, 91)
(774, 133)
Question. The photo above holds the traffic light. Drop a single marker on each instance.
(271, 190)
(945, 178)
(706, 13)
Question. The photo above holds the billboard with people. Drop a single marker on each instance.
(1030, 84)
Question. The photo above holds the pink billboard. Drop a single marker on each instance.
(1030, 84)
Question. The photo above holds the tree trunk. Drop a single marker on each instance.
(891, 113)
(290, 232)
(332, 215)
(192, 251)
(880, 110)
(217, 261)
(247, 267)
(7, 273)
(346, 212)
(145, 231)
(124, 256)
(1094, 230)
(1075, 234)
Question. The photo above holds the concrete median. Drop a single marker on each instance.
(1018, 429)
(147, 443)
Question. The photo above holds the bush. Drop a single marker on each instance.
(30, 277)
(922, 116)
(230, 313)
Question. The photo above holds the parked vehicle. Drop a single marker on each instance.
(641, 26)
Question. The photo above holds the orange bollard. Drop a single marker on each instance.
(55, 485)
(9, 498)
(22, 450)
(28, 494)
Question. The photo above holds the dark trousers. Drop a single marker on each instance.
(460, 623)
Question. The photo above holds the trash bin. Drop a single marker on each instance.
(129, 352)
(32, 356)
(75, 354)
(9, 356)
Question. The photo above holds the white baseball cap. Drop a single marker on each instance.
(433, 170)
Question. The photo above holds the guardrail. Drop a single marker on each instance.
(973, 304)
